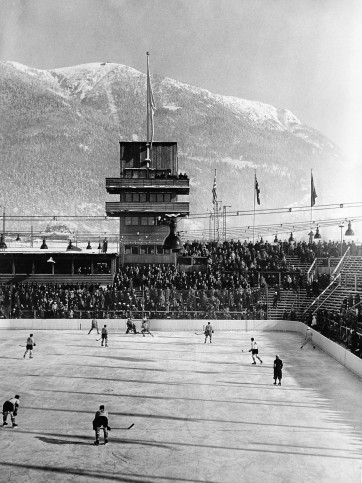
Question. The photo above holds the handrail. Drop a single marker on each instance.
(329, 295)
(320, 295)
(334, 277)
(311, 267)
(338, 267)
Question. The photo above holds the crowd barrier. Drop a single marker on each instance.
(340, 354)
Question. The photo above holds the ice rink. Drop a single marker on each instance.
(201, 412)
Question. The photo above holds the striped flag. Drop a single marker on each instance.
(257, 191)
(313, 193)
(214, 194)
(150, 106)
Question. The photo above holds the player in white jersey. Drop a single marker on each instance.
(254, 351)
(94, 326)
(145, 327)
(30, 343)
(308, 338)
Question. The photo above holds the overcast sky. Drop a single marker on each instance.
(303, 55)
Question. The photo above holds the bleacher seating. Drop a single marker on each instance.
(101, 278)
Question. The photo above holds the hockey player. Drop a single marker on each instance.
(101, 422)
(131, 326)
(145, 327)
(254, 351)
(10, 407)
(94, 326)
(278, 365)
(30, 343)
(208, 332)
(308, 338)
(104, 336)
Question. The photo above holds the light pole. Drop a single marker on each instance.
(224, 219)
(341, 226)
(2, 241)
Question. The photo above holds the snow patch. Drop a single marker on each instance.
(44, 76)
(83, 78)
(172, 107)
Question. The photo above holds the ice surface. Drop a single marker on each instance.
(201, 412)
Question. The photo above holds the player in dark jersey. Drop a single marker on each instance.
(208, 331)
(101, 422)
(104, 336)
(10, 408)
(30, 343)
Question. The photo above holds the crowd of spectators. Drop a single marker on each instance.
(167, 175)
(115, 301)
(343, 326)
(230, 284)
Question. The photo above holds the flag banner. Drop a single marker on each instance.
(150, 104)
(313, 192)
(257, 191)
(214, 194)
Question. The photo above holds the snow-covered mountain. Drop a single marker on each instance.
(60, 131)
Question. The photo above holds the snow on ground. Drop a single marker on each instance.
(201, 412)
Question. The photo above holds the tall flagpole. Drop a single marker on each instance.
(311, 206)
(254, 204)
(148, 114)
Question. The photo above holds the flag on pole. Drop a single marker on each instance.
(214, 194)
(257, 191)
(150, 106)
(313, 192)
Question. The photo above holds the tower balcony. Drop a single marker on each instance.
(175, 208)
(119, 185)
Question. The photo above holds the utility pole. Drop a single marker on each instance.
(224, 220)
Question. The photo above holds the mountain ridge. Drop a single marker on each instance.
(61, 128)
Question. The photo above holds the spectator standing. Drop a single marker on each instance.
(278, 365)
(275, 300)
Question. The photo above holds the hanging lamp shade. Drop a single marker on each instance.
(44, 246)
(291, 239)
(72, 247)
(89, 246)
(172, 241)
(349, 231)
(317, 234)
